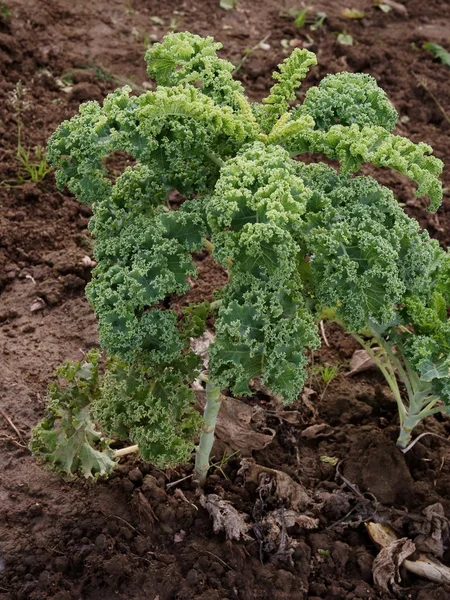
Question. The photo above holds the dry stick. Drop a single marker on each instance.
(169, 485)
(215, 556)
(424, 85)
(9, 438)
(322, 331)
(11, 424)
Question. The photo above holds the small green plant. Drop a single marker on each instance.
(301, 18)
(325, 374)
(34, 165)
(297, 240)
(344, 38)
(439, 52)
(4, 12)
(228, 4)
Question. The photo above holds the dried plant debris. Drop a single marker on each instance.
(361, 361)
(431, 529)
(272, 531)
(394, 553)
(386, 566)
(320, 430)
(234, 427)
(279, 485)
(225, 517)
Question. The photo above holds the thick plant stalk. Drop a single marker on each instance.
(205, 445)
(421, 403)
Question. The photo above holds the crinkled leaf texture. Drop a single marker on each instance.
(295, 239)
(364, 251)
(67, 439)
(154, 409)
(256, 220)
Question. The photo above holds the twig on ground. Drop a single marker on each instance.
(11, 424)
(9, 438)
(322, 331)
(169, 485)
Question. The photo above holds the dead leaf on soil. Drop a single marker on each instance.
(361, 361)
(424, 566)
(321, 430)
(225, 517)
(274, 528)
(386, 566)
(283, 486)
(234, 430)
(144, 510)
(433, 530)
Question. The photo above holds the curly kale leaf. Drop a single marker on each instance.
(186, 58)
(365, 252)
(291, 73)
(148, 259)
(174, 130)
(347, 99)
(66, 439)
(263, 329)
(354, 145)
(255, 214)
(152, 408)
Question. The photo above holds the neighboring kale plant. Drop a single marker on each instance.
(297, 240)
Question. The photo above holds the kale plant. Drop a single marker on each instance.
(299, 241)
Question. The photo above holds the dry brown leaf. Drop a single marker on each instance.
(433, 531)
(225, 517)
(145, 511)
(361, 361)
(425, 566)
(386, 566)
(291, 416)
(308, 393)
(285, 487)
(274, 527)
(321, 430)
(234, 430)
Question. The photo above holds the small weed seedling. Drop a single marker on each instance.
(325, 374)
(34, 165)
(298, 241)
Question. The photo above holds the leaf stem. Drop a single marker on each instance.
(203, 451)
(389, 376)
(125, 451)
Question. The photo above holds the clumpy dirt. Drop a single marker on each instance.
(132, 537)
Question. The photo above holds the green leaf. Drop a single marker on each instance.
(300, 19)
(67, 440)
(228, 4)
(345, 39)
(353, 13)
(439, 51)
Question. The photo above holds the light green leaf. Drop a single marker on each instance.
(439, 51)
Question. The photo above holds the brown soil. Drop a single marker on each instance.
(129, 537)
